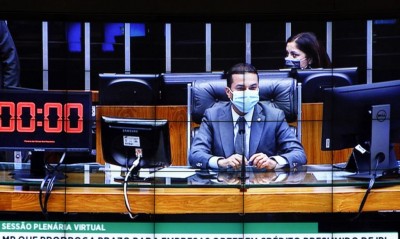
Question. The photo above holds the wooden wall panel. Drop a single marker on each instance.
(311, 137)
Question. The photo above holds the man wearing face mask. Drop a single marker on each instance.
(245, 130)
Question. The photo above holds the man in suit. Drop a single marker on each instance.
(266, 141)
(9, 67)
(9, 70)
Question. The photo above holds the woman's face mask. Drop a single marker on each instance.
(296, 63)
(292, 63)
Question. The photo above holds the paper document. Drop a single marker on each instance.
(168, 172)
(331, 176)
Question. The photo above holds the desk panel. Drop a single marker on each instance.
(309, 189)
(204, 200)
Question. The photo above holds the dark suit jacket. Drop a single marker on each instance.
(9, 67)
(270, 134)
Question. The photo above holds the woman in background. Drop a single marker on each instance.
(305, 51)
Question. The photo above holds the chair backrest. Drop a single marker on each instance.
(278, 92)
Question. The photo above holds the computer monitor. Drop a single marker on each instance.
(39, 121)
(314, 81)
(174, 87)
(125, 139)
(275, 74)
(365, 117)
(129, 89)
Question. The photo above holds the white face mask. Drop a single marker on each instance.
(245, 100)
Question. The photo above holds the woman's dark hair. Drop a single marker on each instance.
(308, 43)
(239, 68)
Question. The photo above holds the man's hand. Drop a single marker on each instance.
(261, 160)
(233, 161)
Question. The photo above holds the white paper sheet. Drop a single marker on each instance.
(168, 172)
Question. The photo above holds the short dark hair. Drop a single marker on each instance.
(308, 43)
(239, 68)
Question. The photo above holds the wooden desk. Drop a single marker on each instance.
(204, 200)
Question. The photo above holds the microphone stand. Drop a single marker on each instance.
(243, 175)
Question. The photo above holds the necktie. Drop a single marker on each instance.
(240, 136)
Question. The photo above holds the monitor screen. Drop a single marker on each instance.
(274, 74)
(124, 139)
(314, 81)
(129, 89)
(366, 116)
(174, 88)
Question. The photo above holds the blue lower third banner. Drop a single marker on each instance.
(159, 230)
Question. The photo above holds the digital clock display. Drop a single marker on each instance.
(45, 120)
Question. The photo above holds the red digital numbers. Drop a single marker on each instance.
(48, 128)
(31, 126)
(68, 127)
(22, 117)
(10, 125)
